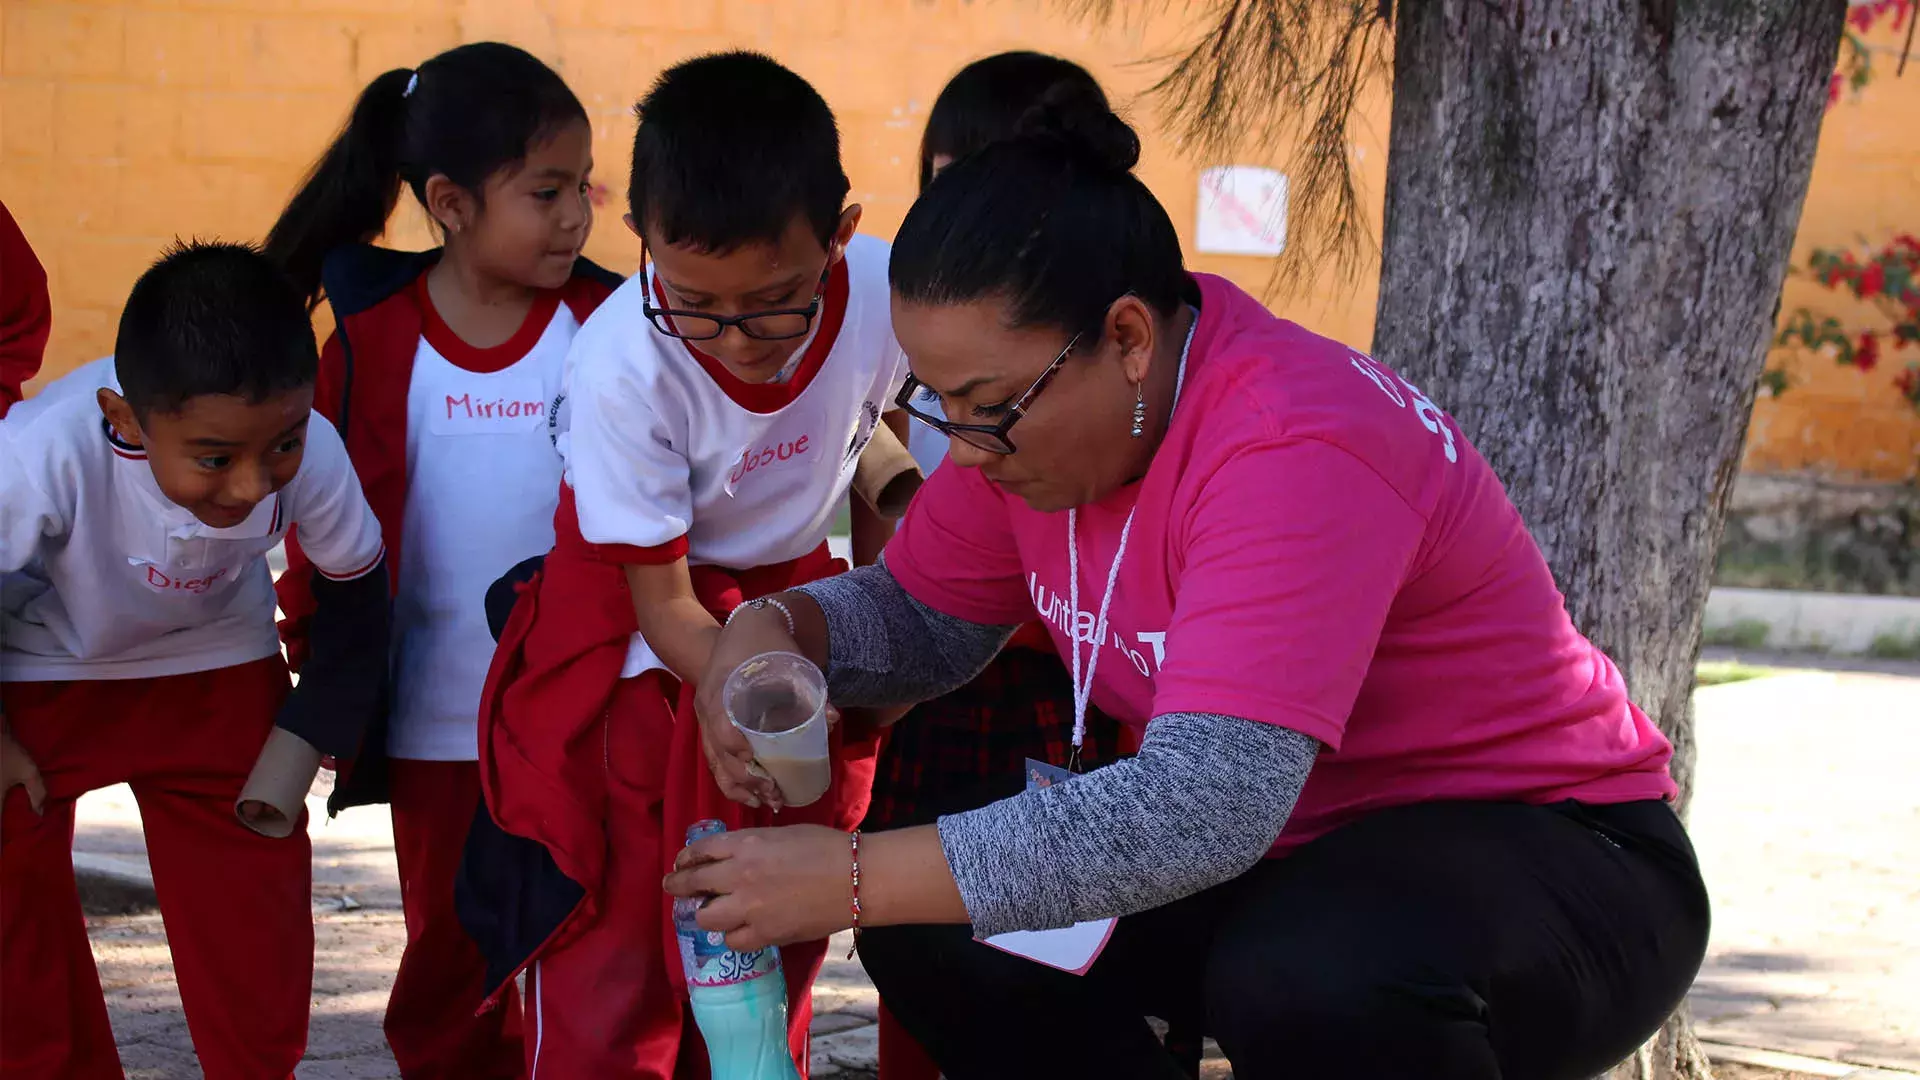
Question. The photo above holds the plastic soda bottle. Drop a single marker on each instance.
(739, 999)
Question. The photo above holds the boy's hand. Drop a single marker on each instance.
(259, 814)
(729, 757)
(17, 768)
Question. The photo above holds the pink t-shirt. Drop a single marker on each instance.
(1316, 545)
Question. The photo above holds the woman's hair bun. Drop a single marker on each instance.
(1082, 122)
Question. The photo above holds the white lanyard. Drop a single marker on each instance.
(1083, 686)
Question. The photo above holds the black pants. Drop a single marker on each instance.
(1444, 941)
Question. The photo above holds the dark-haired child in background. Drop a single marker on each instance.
(442, 375)
(137, 646)
(719, 402)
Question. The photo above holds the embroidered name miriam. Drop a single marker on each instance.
(465, 408)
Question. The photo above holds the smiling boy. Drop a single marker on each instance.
(137, 645)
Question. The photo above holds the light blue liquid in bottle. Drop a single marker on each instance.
(739, 999)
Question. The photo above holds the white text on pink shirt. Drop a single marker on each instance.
(1053, 607)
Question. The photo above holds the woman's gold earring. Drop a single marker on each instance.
(1139, 412)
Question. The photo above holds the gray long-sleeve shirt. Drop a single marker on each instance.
(1200, 804)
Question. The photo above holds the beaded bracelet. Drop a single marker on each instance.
(854, 839)
(766, 602)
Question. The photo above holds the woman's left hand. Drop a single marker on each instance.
(770, 886)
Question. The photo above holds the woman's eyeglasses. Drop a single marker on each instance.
(993, 438)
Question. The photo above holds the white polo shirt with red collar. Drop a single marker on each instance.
(483, 478)
(103, 577)
(669, 454)
(89, 377)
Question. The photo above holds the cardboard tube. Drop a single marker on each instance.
(886, 477)
(281, 778)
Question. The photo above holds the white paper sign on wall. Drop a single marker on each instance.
(1243, 211)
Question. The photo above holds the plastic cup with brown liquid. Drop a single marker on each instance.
(778, 700)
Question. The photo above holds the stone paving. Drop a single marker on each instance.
(359, 936)
(357, 951)
(1807, 818)
(1806, 815)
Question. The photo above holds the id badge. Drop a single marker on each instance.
(1071, 949)
(1040, 774)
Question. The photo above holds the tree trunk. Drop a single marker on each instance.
(1590, 208)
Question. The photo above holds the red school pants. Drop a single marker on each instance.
(603, 1002)
(237, 905)
(434, 1023)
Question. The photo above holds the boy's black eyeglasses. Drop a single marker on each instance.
(780, 324)
(992, 438)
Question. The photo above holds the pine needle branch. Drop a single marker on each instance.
(1280, 78)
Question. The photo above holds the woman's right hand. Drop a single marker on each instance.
(752, 632)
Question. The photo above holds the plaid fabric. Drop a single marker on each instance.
(967, 749)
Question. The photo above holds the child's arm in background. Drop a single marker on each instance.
(343, 684)
(872, 529)
(678, 628)
(294, 589)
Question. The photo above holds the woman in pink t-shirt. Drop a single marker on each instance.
(1393, 816)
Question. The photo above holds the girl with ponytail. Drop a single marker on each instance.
(441, 375)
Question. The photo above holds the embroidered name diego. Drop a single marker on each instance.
(160, 581)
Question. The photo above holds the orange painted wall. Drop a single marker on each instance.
(1866, 190)
(124, 124)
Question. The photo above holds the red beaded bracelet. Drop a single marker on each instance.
(854, 838)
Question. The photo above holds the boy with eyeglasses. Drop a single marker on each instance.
(716, 406)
